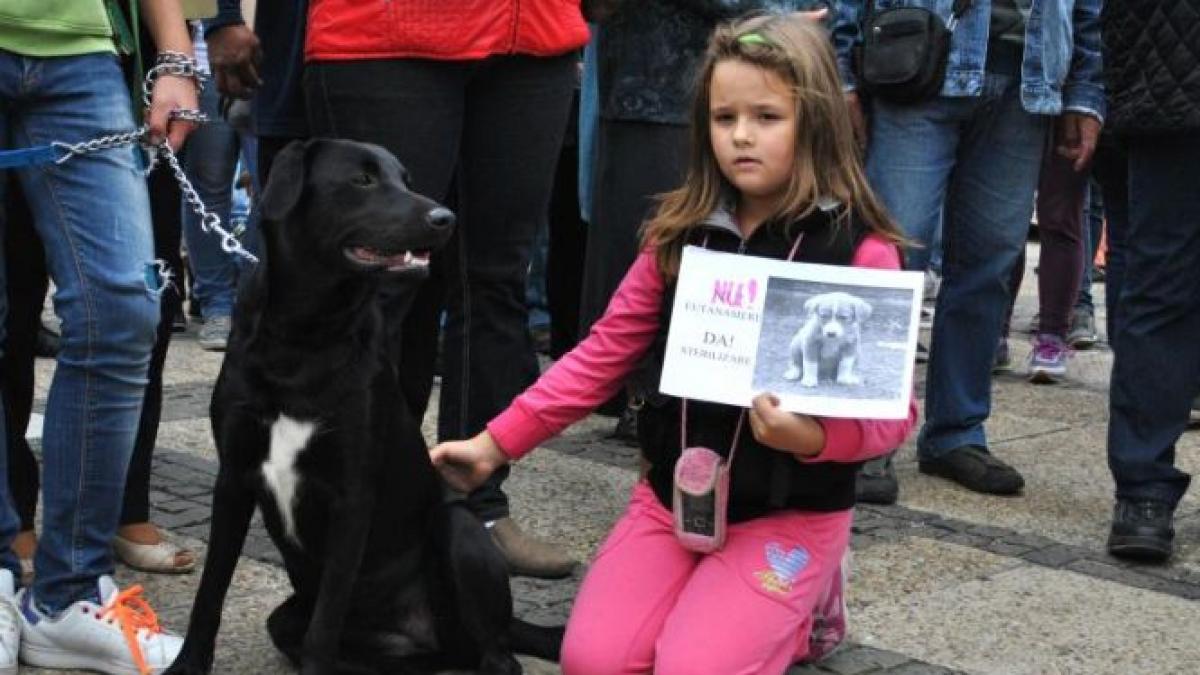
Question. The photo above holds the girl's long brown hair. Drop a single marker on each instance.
(799, 51)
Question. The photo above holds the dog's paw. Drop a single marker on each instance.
(792, 373)
(808, 381)
(849, 379)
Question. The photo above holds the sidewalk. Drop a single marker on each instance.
(945, 581)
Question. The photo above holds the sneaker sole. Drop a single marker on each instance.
(49, 657)
(1045, 376)
(1083, 342)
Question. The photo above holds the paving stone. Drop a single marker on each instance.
(1057, 555)
(1006, 549)
(966, 539)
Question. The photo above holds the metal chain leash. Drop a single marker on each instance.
(178, 65)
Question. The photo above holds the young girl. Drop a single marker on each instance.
(774, 165)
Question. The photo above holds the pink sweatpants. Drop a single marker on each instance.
(649, 605)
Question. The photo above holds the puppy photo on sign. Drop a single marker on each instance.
(833, 340)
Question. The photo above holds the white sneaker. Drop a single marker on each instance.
(120, 637)
(10, 624)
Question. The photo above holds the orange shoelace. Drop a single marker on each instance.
(133, 613)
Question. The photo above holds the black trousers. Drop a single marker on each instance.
(635, 161)
(490, 130)
(1156, 356)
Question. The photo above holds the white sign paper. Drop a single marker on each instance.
(827, 340)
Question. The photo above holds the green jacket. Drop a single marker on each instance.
(55, 27)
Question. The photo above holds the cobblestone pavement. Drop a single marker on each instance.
(945, 581)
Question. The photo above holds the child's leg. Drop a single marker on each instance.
(627, 593)
(748, 608)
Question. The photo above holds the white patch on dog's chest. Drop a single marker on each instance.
(289, 437)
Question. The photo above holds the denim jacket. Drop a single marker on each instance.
(1061, 69)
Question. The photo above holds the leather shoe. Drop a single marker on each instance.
(877, 482)
(527, 556)
(1141, 530)
(975, 469)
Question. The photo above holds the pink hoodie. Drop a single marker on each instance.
(593, 372)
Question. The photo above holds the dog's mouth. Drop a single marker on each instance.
(416, 259)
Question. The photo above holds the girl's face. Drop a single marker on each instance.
(752, 122)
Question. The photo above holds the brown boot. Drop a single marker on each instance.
(527, 556)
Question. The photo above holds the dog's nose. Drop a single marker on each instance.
(440, 218)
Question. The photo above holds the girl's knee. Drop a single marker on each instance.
(598, 655)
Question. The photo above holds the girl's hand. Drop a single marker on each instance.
(777, 428)
(466, 464)
(171, 93)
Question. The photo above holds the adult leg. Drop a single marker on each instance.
(988, 205)
(567, 245)
(93, 217)
(1060, 197)
(1082, 332)
(748, 609)
(630, 588)
(25, 262)
(10, 521)
(909, 158)
(140, 544)
(515, 114)
(1156, 360)
(210, 159)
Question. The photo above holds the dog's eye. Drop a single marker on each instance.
(363, 180)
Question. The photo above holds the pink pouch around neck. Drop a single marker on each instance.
(700, 499)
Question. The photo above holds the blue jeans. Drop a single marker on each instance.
(93, 217)
(977, 158)
(210, 161)
(1156, 361)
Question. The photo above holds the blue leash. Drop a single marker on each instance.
(42, 154)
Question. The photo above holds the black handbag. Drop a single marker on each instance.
(903, 55)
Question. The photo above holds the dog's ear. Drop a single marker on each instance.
(286, 182)
(862, 309)
(810, 305)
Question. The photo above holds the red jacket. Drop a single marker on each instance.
(454, 30)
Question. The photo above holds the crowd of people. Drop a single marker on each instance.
(601, 136)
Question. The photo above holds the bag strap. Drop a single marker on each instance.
(737, 432)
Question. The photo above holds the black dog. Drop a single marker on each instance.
(310, 425)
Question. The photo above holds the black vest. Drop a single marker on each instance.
(762, 479)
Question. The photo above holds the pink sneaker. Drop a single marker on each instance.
(829, 616)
